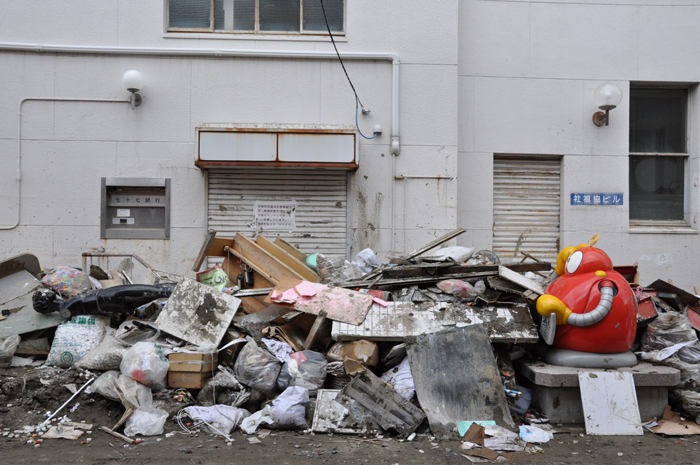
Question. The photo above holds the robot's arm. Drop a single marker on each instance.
(594, 316)
(548, 304)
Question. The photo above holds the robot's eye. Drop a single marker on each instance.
(574, 261)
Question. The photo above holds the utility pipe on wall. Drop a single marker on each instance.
(322, 55)
(19, 140)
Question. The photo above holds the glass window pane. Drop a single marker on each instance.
(656, 187)
(234, 15)
(658, 120)
(280, 15)
(193, 14)
(313, 15)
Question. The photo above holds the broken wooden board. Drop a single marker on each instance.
(520, 280)
(505, 322)
(438, 269)
(197, 313)
(290, 249)
(292, 262)
(457, 379)
(256, 255)
(16, 291)
(341, 305)
(67, 430)
(672, 425)
(253, 324)
(384, 405)
(609, 403)
(332, 417)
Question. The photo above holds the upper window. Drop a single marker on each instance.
(256, 16)
(658, 154)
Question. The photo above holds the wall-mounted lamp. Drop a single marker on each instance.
(133, 81)
(606, 97)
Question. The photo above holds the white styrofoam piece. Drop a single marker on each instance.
(329, 414)
(610, 403)
(401, 319)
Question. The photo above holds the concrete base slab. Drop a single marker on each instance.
(555, 389)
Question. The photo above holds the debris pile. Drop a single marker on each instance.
(271, 338)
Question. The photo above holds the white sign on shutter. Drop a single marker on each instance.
(275, 215)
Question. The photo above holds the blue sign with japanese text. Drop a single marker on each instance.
(596, 199)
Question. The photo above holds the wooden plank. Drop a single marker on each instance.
(311, 338)
(254, 254)
(127, 413)
(261, 279)
(290, 249)
(282, 255)
(435, 243)
(117, 435)
(520, 280)
(202, 255)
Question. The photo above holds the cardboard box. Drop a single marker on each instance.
(191, 370)
(362, 351)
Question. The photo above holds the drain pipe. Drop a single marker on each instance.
(231, 53)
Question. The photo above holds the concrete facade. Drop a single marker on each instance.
(477, 78)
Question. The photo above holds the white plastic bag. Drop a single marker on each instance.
(256, 367)
(7, 350)
(456, 254)
(289, 408)
(366, 260)
(250, 424)
(401, 379)
(74, 339)
(222, 417)
(529, 433)
(279, 349)
(113, 385)
(147, 421)
(106, 356)
(146, 363)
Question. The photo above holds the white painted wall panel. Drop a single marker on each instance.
(236, 146)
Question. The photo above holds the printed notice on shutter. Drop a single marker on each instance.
(275, 215)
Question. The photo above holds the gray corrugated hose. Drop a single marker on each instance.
(598, 313)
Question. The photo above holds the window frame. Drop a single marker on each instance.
(689, 134)
(257, 31)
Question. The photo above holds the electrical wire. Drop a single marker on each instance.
(358, 102)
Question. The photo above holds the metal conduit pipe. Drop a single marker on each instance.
(598, 313)
(233, 53)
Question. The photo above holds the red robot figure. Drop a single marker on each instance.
(595, 308)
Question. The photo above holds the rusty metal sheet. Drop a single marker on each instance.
(197, 313)
(457, 379)
(505, 322)
(378, 400)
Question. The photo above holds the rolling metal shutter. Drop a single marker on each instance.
(321, 214)
(526, 204)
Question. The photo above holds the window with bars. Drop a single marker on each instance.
(256, 16)
(658, 155)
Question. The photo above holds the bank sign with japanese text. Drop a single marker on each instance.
(596, 199)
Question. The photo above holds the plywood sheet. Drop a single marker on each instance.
(197, 313)
(610, 403)
(504, 322)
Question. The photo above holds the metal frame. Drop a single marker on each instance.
(277, 129)
(256, 31)
(687, 198)
(105, 232)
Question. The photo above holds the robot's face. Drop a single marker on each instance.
(588, 260)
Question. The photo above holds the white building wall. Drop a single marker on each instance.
(68, 146)
(527, 72)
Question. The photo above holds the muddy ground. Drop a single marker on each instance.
(27, 394)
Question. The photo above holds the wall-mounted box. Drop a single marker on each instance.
(135, 208)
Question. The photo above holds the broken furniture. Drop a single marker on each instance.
(555, 389)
